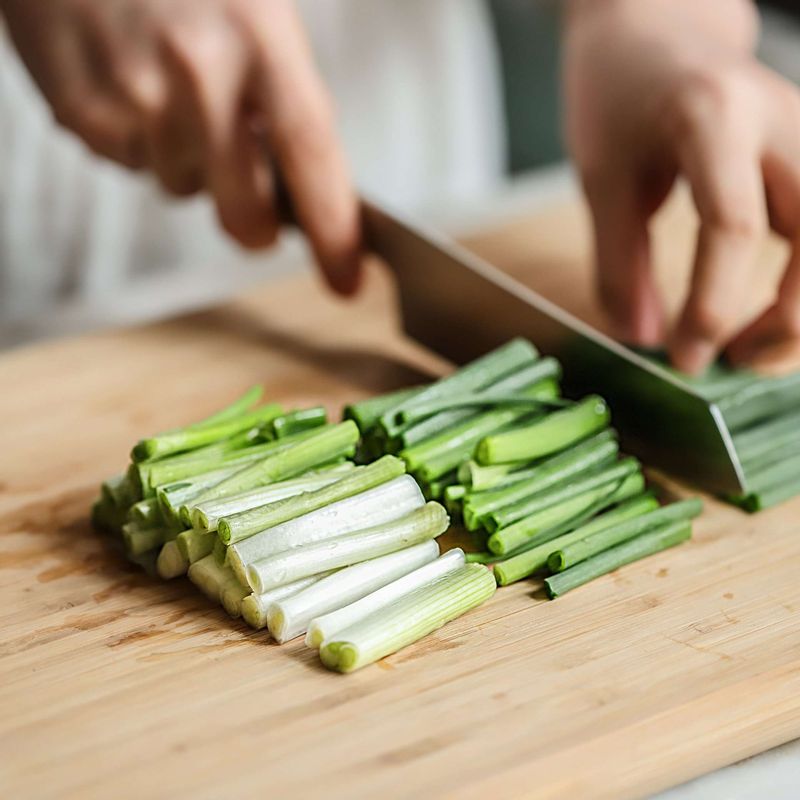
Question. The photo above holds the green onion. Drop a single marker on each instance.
(237, 408)
(592, 453)
(172, 496)
(549, 435)
(321, 446)
(194, 545)
(210, 578)
(297, 421)
(289, 618)
(480, 478)
(239, 526)
(206, 516)
(532, 503)
(139, 540)
(536, 372)
(328, 626)
(761, 439)
(504, 393)
(166, 444)
(435, 489)
(254, 606)
(642, 546)
(530, 560)
(761, 400)
(171, 562)
(413, 616)
(453, 497)
(288, 566)
(366, 413)
(569, 555)
(119, 491)
(231, 597)
(479, 373)
(376, 506)
(146, 512)
(531, 528)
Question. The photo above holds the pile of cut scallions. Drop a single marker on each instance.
(268, 515)
(763, 416)
(538, 479)
(306, 527)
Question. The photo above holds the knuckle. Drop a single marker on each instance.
(707, 321)
(734, 218)
(704, 98)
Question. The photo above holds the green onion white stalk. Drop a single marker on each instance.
(211, 578)
(374, 507)
(254, 606)
(205, 516)
(171, 562)
(239, 526)
(420, 525)
(291, 617)
(328, 626)
(410, 618)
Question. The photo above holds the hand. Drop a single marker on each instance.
(664, 88)
(193, 90)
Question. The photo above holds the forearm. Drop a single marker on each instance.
(731, 23)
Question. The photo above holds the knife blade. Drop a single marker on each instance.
(460, 306)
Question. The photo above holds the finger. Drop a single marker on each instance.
(211, 66)
(623, 268)
(721, 161)
(304, 143)
(773, 339)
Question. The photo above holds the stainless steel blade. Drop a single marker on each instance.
(460, 306)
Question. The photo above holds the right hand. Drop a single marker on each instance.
(196, 91)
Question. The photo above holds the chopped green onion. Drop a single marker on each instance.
(194, 545)
(289, 618)
(140, 540)
(531, 559)
(231, 597)
(480, 478)
(568, 555)
(453, 497)
(534, 502)
(549, 435)
(642, 546)
(239, 526)
(209, 577)
(254, 606)
(119, 491)
(166, 444)
(321, 446)
(413, 616)
(206, 516)
(536, 372)
(530, 529)
(424, 523)
(761, 400)
(376, 506)
(146, 512)
(591, 453)
(171, 562)
(328, 626)
(482, 372)
(297, 421)
(366, 413)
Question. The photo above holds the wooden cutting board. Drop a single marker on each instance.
(113, 685)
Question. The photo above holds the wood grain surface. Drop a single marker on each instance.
(113, 685)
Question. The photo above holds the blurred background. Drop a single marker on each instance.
(457, 118)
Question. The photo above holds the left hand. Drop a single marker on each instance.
(665, 88)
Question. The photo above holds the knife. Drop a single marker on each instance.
(460, 306)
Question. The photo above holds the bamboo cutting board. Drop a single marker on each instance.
(113, 685)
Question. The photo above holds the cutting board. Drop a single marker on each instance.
(113, 685)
